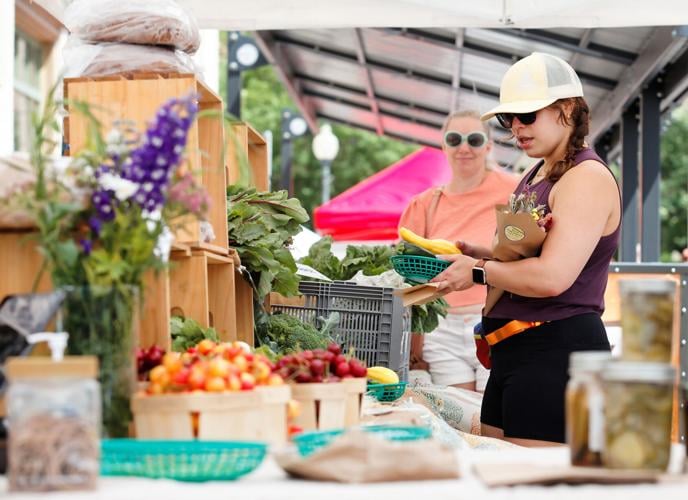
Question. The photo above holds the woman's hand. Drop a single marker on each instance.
(458, 276)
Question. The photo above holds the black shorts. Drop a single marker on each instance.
(525, 394)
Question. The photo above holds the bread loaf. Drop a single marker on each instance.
(153, 22)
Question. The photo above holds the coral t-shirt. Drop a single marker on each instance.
(468, 216)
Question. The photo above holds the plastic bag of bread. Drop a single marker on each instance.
(107, 59)
(149, 22)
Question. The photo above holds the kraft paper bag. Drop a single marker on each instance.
(419, 294)
(362, 457)
(518, 237)
(496, 475)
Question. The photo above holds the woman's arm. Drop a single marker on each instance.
(474, 250)
(583, 205)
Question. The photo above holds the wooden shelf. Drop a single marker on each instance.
(136, 99)
(246, 146)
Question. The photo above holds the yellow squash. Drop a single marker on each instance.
(382, 375)
(437, 247)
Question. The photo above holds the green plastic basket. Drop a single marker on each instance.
(311, 442)
(386, 393)
(194, 461)
(417, 269)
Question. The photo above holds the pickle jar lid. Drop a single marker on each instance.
(589, 361)
(632, 371)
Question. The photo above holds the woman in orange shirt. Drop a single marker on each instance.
(461, 210)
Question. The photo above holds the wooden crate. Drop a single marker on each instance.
(260, 414)
(330, 405)
(247, 149)
(136, 99)
(199, 285)
(355, 388)
(20, 263)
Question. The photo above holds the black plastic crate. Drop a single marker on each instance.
(372, 321)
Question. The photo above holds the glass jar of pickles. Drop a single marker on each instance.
(647, 313)
(638, 400)
(585, 407)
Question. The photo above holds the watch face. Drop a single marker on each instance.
(479, 275)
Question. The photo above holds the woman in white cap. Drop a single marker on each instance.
(554, 301)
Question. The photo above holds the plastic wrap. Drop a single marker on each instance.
(150, 22)
(105, 59)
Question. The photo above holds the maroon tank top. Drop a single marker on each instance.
(586, 295)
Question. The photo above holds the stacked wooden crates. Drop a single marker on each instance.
(203, 282)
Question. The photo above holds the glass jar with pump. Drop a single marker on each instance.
(585, 407)
(638, 401)
(53, 411)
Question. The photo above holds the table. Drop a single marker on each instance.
(270, 483)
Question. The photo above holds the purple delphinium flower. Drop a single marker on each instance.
(152, 164)
(86, 245)
(95, 224)
(103, 202)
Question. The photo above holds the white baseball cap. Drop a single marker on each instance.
(534, 83)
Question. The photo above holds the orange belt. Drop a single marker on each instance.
(512, 328)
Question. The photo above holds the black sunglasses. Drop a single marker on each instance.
(506, 120)
(474, 139)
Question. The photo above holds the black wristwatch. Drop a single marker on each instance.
(479, 274)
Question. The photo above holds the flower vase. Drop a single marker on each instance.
(103, 322)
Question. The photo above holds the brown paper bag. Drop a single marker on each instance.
(361, 457)
(518, 237)
(495, 475)
(419, 294)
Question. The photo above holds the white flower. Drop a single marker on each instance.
(164, 244)
(123, 188)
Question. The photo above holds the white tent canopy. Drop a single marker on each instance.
(310, 14)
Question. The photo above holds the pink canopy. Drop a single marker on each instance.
(371, 209)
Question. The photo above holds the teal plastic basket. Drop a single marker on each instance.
(194, 461)
(418, 269)
(386, 393)
(311, 442)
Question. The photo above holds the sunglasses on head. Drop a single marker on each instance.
(506, 120)
(474, 139)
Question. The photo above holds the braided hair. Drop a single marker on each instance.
(579, 121)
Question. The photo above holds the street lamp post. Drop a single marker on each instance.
(293, 125)
(325, 149)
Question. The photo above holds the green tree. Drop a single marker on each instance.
(361, 153)
(674, 186)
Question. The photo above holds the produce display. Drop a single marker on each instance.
(284, 333)
(187, 333)
(638, 425)
(320, 365)
(260, 227)
(212, 367)
(371, 261)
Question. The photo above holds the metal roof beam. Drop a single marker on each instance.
(572, 45)
(370, 89)
(675, 81)
(583, 42)
(280, 62)
(383, 67)
(458, 66)
(496, 137)
(490, 53)
(661, 47)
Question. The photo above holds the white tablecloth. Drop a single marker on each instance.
(270, 483)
